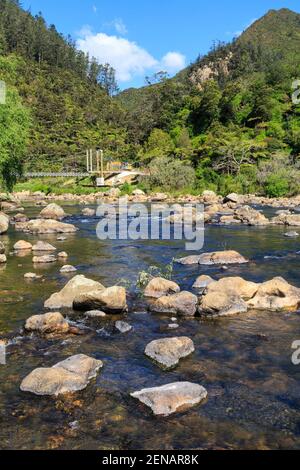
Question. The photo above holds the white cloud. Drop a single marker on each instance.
(120, 26)
(128, 58)
(95, 9)
(173, 61)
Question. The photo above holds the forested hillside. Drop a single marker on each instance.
(231, 112)
(227, 122)
(62, 96)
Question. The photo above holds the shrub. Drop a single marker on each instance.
(170, 174)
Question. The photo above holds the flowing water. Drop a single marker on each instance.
(244, 361)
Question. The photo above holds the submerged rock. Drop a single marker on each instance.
(291, 235)
(76, 286)
(111, 300)
(2, 248)
(41, 226)
(71, 375)
(88, 212)
(159, 287)
(167, 352)
(53, 211)
(123, 327)
(202, 282)
(22, 245)
(32, 276)
(182, 304)
(43, 246)
(48, 323)
(171, 398)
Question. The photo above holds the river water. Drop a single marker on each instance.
(244, 361)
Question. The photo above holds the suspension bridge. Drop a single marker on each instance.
(95, 166)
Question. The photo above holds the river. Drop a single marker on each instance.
(244, 361)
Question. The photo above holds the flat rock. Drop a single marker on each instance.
(167, 352)
(95, 314)
(41, 226)
(43, 246)
(111, 300)
(222, 257)
(171, 398)
(22, 245)
(159, 287)
(68, 269)
(45, 259)
(48, 323)
(71, 375)
(76, 286)
(182, 304)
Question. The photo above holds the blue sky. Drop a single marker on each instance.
(140, 37)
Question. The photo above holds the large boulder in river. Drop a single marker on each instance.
(159, 287)
(292, 220)
(249, 216)
(71, 375)
(182, 304)
(53, 211)
(48, 323)
(4, 223)
(276, 295)
(235, 286)
(227, 297)
(77, 285)
(210, 259)
(167, 352)
(171, 398)
(111, 300)
(41, 226)
(223, 304)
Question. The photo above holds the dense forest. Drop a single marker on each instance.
(226, 123)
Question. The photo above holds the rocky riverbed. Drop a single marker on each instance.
(94, 361)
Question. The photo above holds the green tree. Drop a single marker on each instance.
(14, 128)
(159, 144)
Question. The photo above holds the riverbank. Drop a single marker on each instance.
(138, 195)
